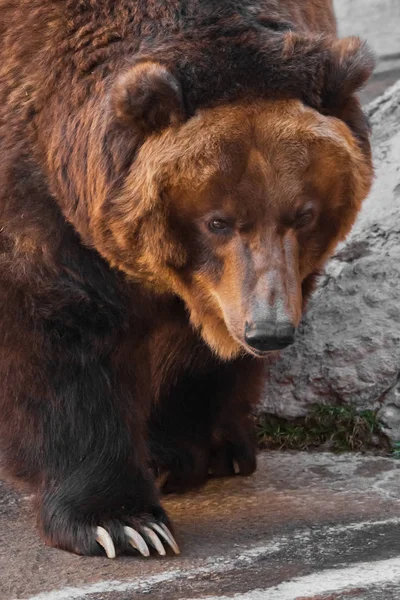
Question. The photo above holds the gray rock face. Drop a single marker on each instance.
(348, 348)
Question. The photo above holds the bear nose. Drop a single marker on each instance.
(265, 337)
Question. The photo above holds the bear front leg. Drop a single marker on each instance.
(73, 428)
(204, 426)
(72, 416)
(180, 429)
(96, 495)
(233, 443)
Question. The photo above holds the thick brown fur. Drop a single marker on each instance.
(172, 175)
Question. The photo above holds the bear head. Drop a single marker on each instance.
(236, 209)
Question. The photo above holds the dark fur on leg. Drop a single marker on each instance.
(205, 427)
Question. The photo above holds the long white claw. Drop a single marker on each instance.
(165, 533)
(236, 468)
(152, 538)
(136, 541)
(104, 539)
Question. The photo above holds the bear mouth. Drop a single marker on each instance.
(246, 349)
(260, 353)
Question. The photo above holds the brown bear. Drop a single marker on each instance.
(173, 176)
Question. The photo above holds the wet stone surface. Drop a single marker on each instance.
(306, 526)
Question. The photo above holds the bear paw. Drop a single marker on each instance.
(93, 535)
(191, 468)
(233, 448)
(182, 469)
(231, 459)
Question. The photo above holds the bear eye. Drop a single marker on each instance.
(303, 219)
(219, 226)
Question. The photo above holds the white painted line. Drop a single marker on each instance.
(142, 585)
(218, 565)
(360, 575)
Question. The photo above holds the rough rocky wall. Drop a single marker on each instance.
(348, 348)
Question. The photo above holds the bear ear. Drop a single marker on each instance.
(350, 66)
(148, 97)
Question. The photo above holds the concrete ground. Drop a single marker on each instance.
(305, 527)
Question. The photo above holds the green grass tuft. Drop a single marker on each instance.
(396, 450)
(335, 428)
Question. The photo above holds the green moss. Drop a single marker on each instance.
(336, 428)
(396, 450)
